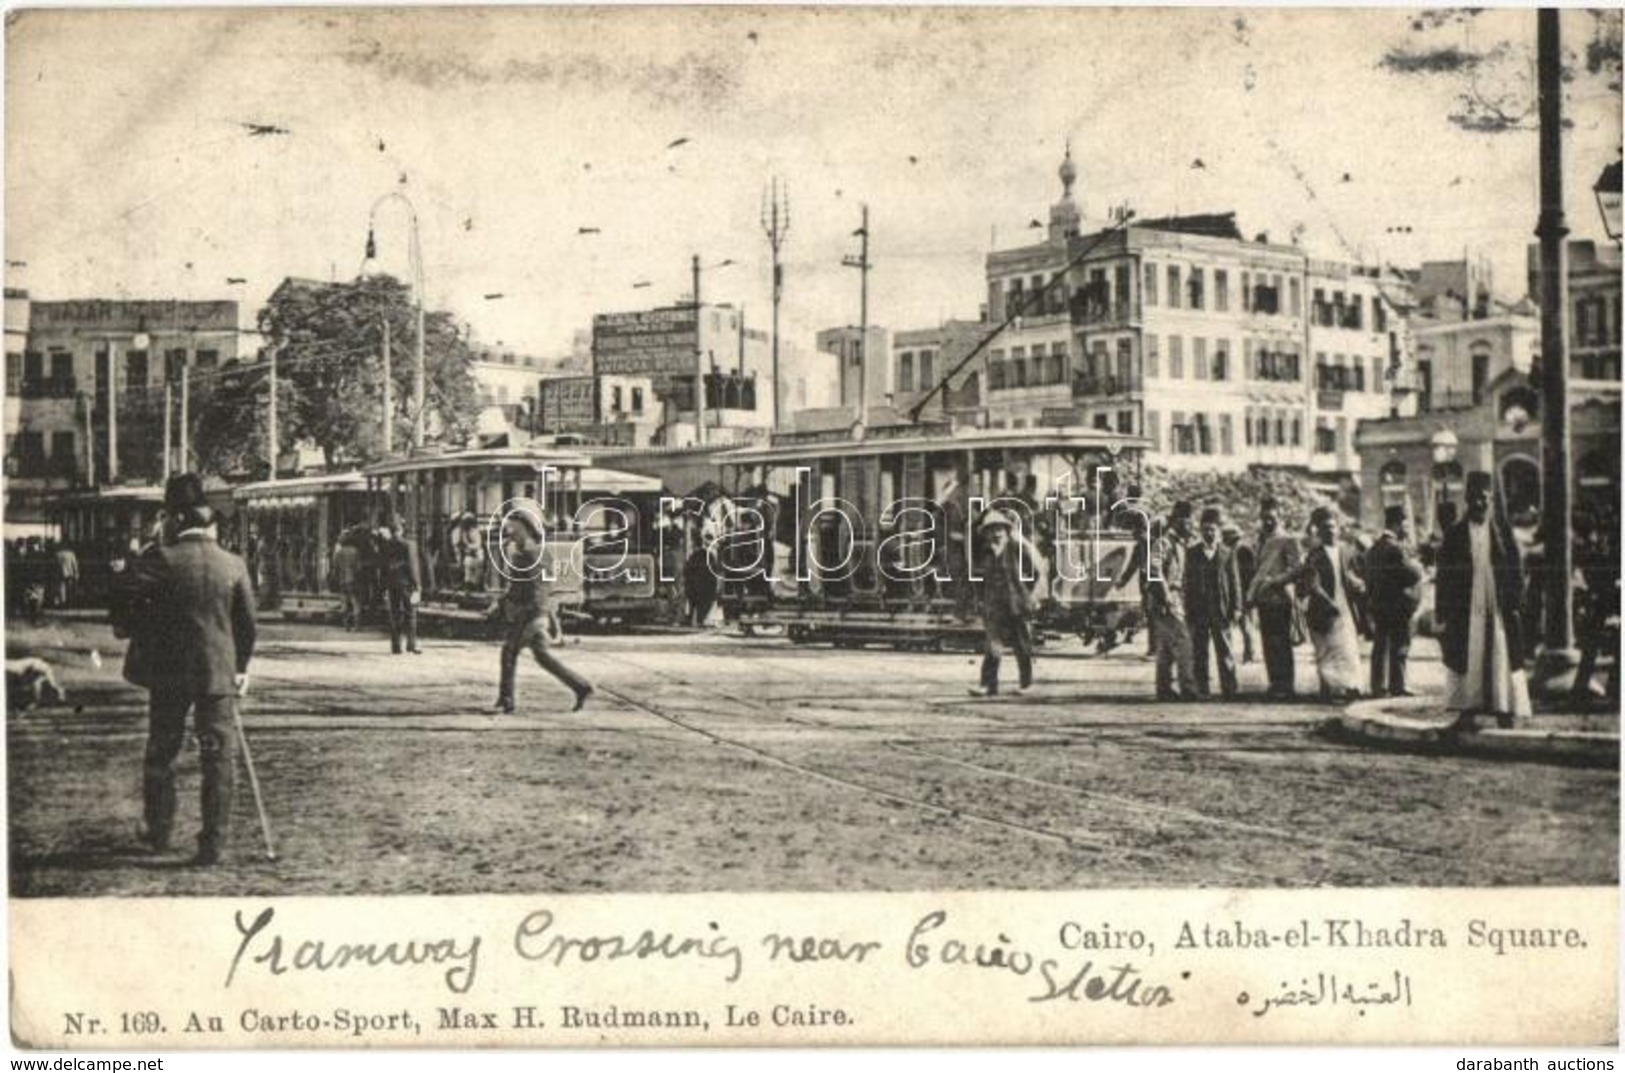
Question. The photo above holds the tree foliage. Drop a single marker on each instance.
(1498, 93)
(329, 343)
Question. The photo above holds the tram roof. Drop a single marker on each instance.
(351, 481)
(884, 442)
(601, 479)
(535, 457)
(122, 493)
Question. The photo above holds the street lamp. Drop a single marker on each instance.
(415, 256)
(1607, 191)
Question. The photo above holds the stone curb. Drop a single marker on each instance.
(1418, 725)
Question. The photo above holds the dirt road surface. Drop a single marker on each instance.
(711, 762)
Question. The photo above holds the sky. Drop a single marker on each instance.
(559, 158)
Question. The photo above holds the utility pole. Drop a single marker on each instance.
(186, 424)
(389, 396)
(861, 263)
(776, 222)
(1558, 657)
(419, 373)
(271, 415)
(90, 438)
(169, 434)
(699, 363)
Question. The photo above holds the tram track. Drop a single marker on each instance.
(1042, 833)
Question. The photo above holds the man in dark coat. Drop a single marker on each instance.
(1393, 576)
(1477, 604)
(523, 608)
(1212, 604)
(1006, 603)
(403, 586)
(196, 626)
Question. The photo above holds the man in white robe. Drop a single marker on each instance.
(1478, 601)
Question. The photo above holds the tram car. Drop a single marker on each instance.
(105, 527)
(454, 504)
(631, 555)
(862, 536)
(288, 529)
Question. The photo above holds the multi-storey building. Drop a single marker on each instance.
(88, 365)
(1480, 409)
(1222, 352)
(862, 363)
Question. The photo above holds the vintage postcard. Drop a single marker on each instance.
(730, 526)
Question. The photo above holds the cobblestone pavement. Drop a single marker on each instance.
(714, 762)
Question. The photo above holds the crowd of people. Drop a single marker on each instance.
(1207, 588)
(40, 574)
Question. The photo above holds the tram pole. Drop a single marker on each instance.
(861, 263)
(271, 432)
(186, 401)
(169, 407)
(389, 403)
(112, 412)
(699, 363)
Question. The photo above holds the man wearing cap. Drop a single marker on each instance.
(1212, 603)
(1006, 602)
(523, 608)
(1480, 582)
(197, 611)
(1278, 558)
(1165, 588)
(1393, 575)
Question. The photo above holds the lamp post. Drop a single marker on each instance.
(1557, 658)
(415, 256)
(1607, 191)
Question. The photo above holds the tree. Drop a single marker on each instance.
(329, 343)
(1497, 93)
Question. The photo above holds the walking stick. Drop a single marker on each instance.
(253, 779)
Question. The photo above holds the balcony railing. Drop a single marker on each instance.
(1095, 387)
(1329, 399)
(49, 387)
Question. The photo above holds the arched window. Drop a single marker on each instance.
(1520, 485)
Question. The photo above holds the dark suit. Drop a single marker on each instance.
(1316, 581)
(1453, 599)
(402, 580)
(524, 613)
(1392, 575)
(199, 634)
(1212, 601)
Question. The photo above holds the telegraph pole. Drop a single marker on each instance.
(861, 263)
(776, 222)
(389, 396)
(699, 363)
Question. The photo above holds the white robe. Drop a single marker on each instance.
(1337, 651)
(1490, 684)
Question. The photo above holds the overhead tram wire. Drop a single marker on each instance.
(1057, 280)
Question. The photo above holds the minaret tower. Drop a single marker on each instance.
(1065, 219)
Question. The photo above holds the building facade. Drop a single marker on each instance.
(1222, 352)
(85, 397)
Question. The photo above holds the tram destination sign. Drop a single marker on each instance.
(655, 342)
